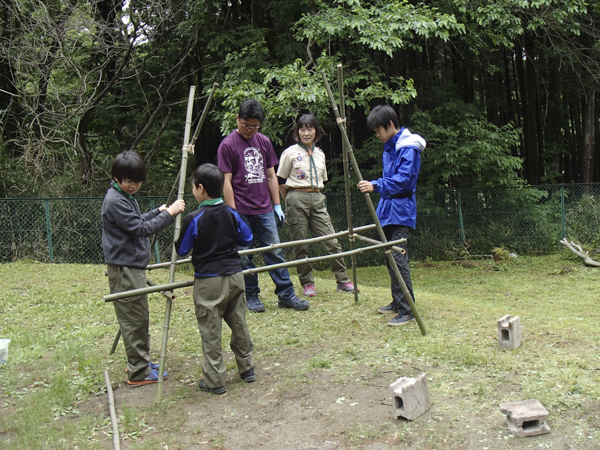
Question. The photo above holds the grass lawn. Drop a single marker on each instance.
(323, 374)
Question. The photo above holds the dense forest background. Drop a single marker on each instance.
(504, 91)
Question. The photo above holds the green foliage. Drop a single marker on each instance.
(382, 25)
(582, 219)
(287, 91)
(465, 150)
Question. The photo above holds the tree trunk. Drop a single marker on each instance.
(589, 130)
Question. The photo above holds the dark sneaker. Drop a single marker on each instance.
(294, 303)
(248, 376)
(389, 309)
(216, 391)
(346, 287)
(309, 291)
(400, 319)
(254, 304)
(151, 378)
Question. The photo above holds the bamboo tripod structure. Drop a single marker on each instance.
(166, 289)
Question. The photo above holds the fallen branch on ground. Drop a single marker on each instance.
(576, 248)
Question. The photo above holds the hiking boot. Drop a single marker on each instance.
(151, 378)
(253, 303)
(346, 287)
(400, 319)
(216, 391)
(248, 376)
(294, 303)
(309, 291)
(389, 309)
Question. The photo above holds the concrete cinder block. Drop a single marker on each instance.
(526, 418)
(411, 397)
(509, 332)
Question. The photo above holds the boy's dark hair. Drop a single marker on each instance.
(211, 177)
(251, 109)
(129, 165)
(311, 121)
(381, 116)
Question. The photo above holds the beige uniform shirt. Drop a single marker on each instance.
(294, 167)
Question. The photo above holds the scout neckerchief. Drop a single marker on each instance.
(312, 165)
(212, 201)
(118, 188)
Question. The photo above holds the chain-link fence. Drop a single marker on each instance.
(451, 222)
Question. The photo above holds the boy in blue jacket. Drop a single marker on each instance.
(125, 232)
(397, 208)
(213, 233)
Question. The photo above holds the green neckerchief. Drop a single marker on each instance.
(212, 201)
(118, 188)
(311, 164)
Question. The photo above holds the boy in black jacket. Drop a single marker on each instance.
(213, 232)
(125, 232)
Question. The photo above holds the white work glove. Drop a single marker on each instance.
(279, 215)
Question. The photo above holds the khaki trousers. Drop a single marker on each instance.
(217, 299)
(134, 318)
(307, 211)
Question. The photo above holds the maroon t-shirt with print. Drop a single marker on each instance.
(248, 160)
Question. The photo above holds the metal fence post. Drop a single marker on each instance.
(461, 230)
(49, 229)
(562, 210)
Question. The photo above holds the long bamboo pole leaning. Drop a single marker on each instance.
(180, 191)
(182, 284)
(371, 208)
(191, 146)
(111, 410)
(340, 72)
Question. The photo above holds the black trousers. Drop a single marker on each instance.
(393, 233)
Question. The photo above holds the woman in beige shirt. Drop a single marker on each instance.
(302, 166)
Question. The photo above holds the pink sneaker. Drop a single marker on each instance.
(346, 287)
(309, 291)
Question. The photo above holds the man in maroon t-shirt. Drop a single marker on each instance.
(248, 160)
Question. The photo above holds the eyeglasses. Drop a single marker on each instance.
(249, 127)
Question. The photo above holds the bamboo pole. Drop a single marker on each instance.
(182, 284)
(372, 209)
(184, 158)
(340, 72)
(113, 415)
(273, 246)
(192, 144)
(375, 241)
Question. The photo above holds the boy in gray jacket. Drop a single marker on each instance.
(125, 232)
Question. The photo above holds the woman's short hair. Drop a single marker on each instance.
(129, 165)
(381, 116)
(310, 121)
(211, 178)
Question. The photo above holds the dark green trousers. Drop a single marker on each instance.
(217, 299)
(134, 318)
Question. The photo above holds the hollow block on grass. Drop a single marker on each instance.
(411, 397)
(509, 332)
(526, 418)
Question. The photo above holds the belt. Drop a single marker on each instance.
(304, 189)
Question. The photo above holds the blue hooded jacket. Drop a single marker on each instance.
(401, 165)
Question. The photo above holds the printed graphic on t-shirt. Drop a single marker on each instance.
(254, 164)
